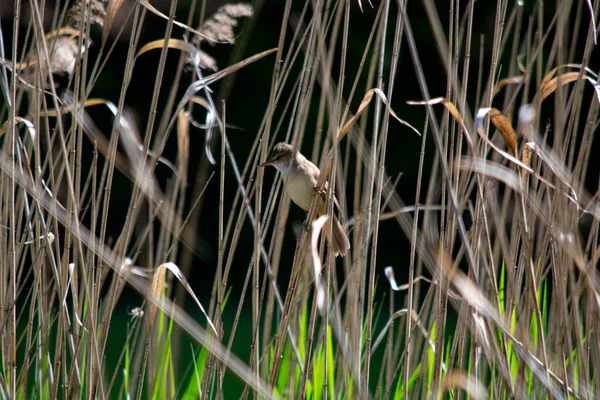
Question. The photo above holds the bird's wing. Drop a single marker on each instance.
(315, 173)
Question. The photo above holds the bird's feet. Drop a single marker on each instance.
(320, 191)
(306, 225)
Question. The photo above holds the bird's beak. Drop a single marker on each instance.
(266, 164)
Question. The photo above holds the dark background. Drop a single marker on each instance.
(248, 101)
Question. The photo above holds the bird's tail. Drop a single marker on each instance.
(339, 241)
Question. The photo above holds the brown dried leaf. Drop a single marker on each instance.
(396, 315)
(158, 282)
(62, 32)
(389, 274)
(171, 44)
(201, 101)
(363, 106)
(505, 127)
(28, 124)
(551, 85)
(208, 126)
(177, 272)
(520, 64)
(156, 289)
(197, 57)
(346, 127)
(199, 85)
(492, 170)
(553, 71)
(317, 226)
(512, 80)
(501, 123)
(451, 108)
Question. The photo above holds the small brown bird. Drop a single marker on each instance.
(302, 176)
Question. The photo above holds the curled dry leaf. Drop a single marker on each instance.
(208, 126)
(501, 123)
(554, 70)
(158, 283)
(396, 315)
(552, 73)
(551, 85)
(317, 226)
(209, 122)
(389, 274)
(361, 109)
(505, 127)
(62, 32)
(492, 170)
(557, 166)
(520, 64)
(510, 178)
(156, 289)
(171, 44)
(28, 124)
(363, 106)
(196, 56)
(201, 84)
(550, 82)
(512, 80)
(452, 109)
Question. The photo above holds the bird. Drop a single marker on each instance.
(302, 176)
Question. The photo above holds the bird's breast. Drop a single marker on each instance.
(300, 188)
